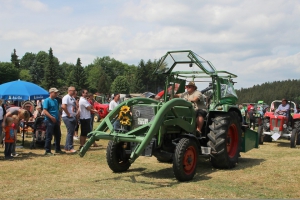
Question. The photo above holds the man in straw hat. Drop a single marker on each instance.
(52, 122)
(197, 99)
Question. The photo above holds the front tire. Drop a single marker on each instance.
(185, 159)
(116, 157)
(267, 138)
(225, 140)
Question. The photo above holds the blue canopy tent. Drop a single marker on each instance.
(21, 91)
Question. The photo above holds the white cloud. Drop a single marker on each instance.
(257, 40)
(34, 5)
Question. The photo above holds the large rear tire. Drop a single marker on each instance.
(260, 135)
(297, 126)
(116, 157)
(225, 140)
(295, 136)
(293, 139)
(185, 159)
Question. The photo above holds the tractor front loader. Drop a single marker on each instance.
(166, 128)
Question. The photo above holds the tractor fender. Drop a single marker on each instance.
(189, 136)
(231, 109)
(296, 116)
(212, 114)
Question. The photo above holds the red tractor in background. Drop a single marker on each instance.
(101, 104)
(276, 126)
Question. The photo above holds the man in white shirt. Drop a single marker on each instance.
(114, 103)
(85, 109)
(69, 118)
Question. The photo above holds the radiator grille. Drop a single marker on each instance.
(142, 112)
(276, 122)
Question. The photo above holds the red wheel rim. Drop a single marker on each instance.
(232, 140)
(189, 160)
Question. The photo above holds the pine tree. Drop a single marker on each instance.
(78, 77)
(14, 59)
(50, 76)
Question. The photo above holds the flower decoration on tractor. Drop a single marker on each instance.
(124, 116)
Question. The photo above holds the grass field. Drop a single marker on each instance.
(272, 171)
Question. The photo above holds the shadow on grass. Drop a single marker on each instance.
(248, 163)
(204, 169)
(283, 144)
(97, 148)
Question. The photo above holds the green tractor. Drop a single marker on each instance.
(166, 128)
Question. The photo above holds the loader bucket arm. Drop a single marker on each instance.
(143, 134)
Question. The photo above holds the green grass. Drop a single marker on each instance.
(272, 171)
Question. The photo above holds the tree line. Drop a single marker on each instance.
(105, 75)
(270, 91)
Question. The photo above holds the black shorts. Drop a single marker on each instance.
(85, 127)
(77, 125)
(201, 112)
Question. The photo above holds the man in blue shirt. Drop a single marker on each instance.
(52, 121)
(283, 108)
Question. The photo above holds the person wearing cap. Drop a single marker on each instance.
(69, 117)
(112, 105)
(52, 122)
(197, 99)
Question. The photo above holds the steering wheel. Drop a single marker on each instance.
(280, 112)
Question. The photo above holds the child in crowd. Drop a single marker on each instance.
(10, 137)
(39, 123)
(16, 121)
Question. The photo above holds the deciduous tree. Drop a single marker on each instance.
(8, 72)
(120, 85)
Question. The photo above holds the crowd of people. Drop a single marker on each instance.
(73, 111)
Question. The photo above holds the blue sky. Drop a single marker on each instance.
(257, 40)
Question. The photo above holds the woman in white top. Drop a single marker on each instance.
(85, 109)
(112, 105)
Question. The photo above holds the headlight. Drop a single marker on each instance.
(284, 126)
(268, 124)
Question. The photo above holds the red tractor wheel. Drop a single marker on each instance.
(185, 159)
